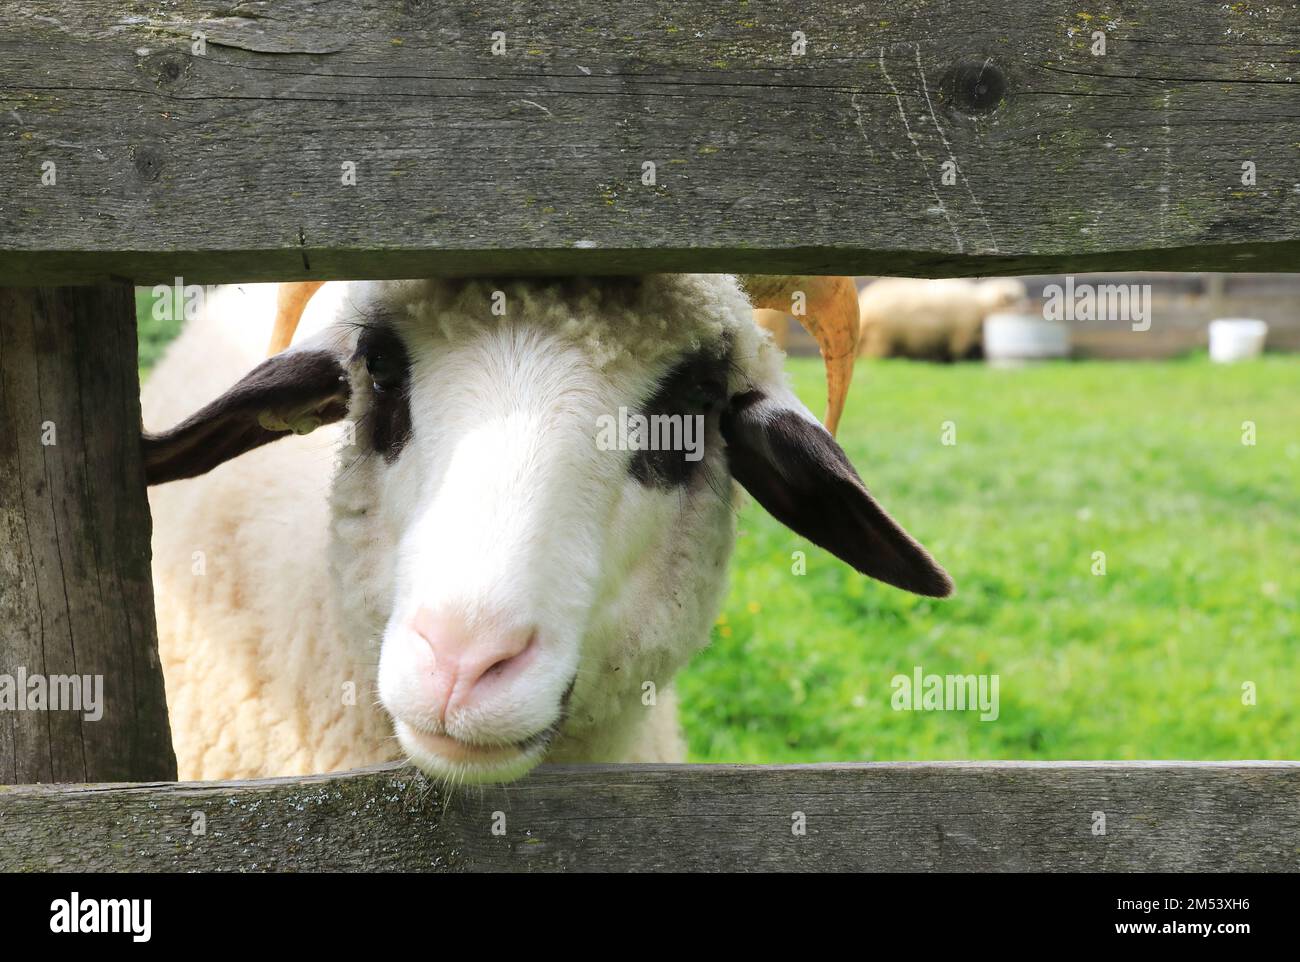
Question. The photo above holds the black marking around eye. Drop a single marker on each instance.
(388, 422)
(695, 387)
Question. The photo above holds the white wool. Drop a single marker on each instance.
(276, 573)
(930, 319)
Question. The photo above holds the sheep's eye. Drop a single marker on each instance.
(385, 357)
(695, 388)
(702, 395)
(386, 369)
(387, 364)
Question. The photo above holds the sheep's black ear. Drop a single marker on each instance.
(291, 393)
(794, 469)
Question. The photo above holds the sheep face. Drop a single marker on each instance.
(533, 577)
(533, 506)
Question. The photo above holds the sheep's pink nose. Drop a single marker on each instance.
(466, 663)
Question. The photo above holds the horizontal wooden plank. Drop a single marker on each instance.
(228, 164)
(925, 816)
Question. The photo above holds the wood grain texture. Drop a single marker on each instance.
(1159, 816)
(228, 165)
(75, 591)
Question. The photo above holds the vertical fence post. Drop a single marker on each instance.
(81, 688)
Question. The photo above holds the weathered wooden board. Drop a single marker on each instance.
(228, 165)
(81, 688)
(1158, 816)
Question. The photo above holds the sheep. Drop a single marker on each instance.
(939, 320)
(448, 565)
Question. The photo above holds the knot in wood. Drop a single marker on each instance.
(975, 85)
(148, 163)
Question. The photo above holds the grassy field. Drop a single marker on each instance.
(1143, 461)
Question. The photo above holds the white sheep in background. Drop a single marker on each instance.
(454, 557)
(936, 320)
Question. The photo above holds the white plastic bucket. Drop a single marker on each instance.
(1010, 338)
(1236, 338)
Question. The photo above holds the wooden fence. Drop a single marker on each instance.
(391, 138)
(954, 817)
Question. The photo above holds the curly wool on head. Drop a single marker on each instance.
(618, 322)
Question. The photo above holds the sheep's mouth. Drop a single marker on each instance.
(451, 749)
(439, 753)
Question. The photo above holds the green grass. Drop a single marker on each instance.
(1143, 461)
(154, 333)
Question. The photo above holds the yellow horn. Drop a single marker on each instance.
(830, 315)
(291, 301)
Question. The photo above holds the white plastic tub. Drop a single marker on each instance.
(1236, 339)
(1014, 338)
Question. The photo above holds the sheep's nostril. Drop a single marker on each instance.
(466, 656)
(516, 648)
(492, 658)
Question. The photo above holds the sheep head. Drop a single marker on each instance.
(533, 508)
